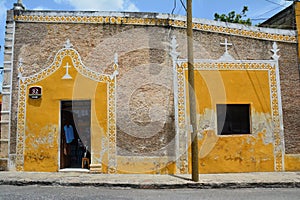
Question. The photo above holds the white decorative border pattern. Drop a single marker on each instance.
(111, 87)
(157, 22)
(270, 66)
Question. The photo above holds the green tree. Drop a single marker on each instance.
(232, 17)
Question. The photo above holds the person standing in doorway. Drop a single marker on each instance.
(67, 140)
(69, 132)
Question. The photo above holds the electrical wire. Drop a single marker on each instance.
(259, 19)
(183, 5)
(275, 3)
(177, 9)
(174, 7)
(250, 78)
(267, 12)
(279, 6)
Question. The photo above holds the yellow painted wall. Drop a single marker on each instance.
(217, 87)
(218, 154)
(292, 162)
(239, 153)
(42, 134)
(145, 165)
(236, 153)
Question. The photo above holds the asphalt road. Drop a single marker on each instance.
(59, 192)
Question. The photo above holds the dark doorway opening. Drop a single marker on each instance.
(75, 134)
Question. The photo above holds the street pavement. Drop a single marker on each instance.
(146, 181)
(36, 192)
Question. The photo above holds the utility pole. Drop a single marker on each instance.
(192, 98)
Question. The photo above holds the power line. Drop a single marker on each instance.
(178, 9)
(258, 19)
(279, 6)
(174, 7)
(248, 73)
(275, 3)
(183, 5)
(268, 11)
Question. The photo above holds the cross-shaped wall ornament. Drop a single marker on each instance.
(226, 44)
(67, 75)
(226, 55)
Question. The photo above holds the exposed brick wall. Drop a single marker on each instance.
(290, 94)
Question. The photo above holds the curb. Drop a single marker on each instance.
(155, 186)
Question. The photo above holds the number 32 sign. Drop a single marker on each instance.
(35, 92)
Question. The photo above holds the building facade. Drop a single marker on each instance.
(107, 92)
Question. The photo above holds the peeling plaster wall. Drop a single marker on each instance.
(41, 149)
(234, 153)
(42, 127)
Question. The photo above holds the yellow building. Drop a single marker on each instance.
(107, 92)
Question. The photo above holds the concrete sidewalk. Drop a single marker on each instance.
(142, 181)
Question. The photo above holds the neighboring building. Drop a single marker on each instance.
(120, 81)
(288, 18)
(285, 19)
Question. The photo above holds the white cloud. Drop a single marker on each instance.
(101, 5)
(41, 8)
(131, 7)
(58, 1)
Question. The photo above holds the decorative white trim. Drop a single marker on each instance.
(116, 59)
(83, 70)
(271, 66)
(68, 44)
(150, 19)
(279, 152)
(275, 51)
(20, 68)
(174, 54)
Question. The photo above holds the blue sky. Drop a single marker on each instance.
(258, 9)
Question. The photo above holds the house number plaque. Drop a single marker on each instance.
(35, 92)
